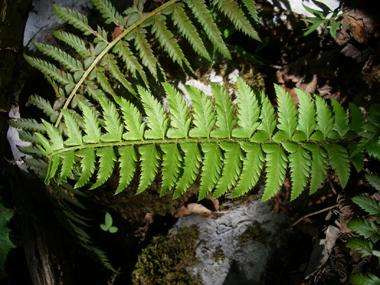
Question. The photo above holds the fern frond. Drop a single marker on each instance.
(44, 105)
(340, 118)
(248, 112)
(168, 42)
(73, 18)
(195, 142)
(75, 42)
(231, 169)
(179, 113)
(156, 116)
(101, 78)
(127, 161)
(268, 122)
(232, 10)
(306, 116)
(149, 165)
(106, 165)
(131, 62)
(276, 161)
(171, 163)
(109, 12)
(251, 7)
(28, 137)
(224, 112)
(191, 163)
(28, 125)
(88, 165)
(186, 27)
(200, 11)
(204, 117)
(252, 167)
(287, 115)
(212, 165)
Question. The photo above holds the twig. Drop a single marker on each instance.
(315, 213)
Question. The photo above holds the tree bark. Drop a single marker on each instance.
(35, 214)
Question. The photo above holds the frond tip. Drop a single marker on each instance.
(229, 154)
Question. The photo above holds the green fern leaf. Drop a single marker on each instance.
(233, 157)
(248, 111)
(106, 165)
(156, 116)
(146, 53)
(88, 165)
(340, 118)
(131, 62)
(62, 57)
(224, 112)
(109, 12)
(338, 158)
(68, 160)
(212, 165)
(252, 167)
(149, 165)
(287, 115)
(28, 125)
(52, 169)
(306, 117)
(276, 161)
(118, 75)
(204, 117)
(200, 11)
(28, 137)
(101, 78)
(268, 122)
(324, 120)
(299, 163)
(318, 166)
(171, 163)
(127, 162)
(73, 18)
(50, 70)
(191, 167)
(44, 148)
(179, 113)
(74, 133)
(55, 136)
(374, 180)
(168, 42)
(75, 42)
(91, 125)
(132, 120)
(368, 204)
(251, 7)
(232, 10)
(36, 162)
(112, 121)
(186, 27)
(44, 105)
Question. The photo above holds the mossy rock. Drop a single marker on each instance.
(165, 260)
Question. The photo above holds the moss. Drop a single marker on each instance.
(165, 260)
(218, 255)
(254, 233)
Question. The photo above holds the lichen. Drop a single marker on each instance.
(166, 258)
(256, 233)
(218, 255)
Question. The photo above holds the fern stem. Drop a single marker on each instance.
(105, 51)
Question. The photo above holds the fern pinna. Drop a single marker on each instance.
(228, 145)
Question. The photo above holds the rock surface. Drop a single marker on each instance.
(233, 248)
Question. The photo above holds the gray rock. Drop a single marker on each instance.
(242, 261)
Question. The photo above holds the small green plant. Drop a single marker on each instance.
(319, 19)
(107, 226)
(369, 232)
